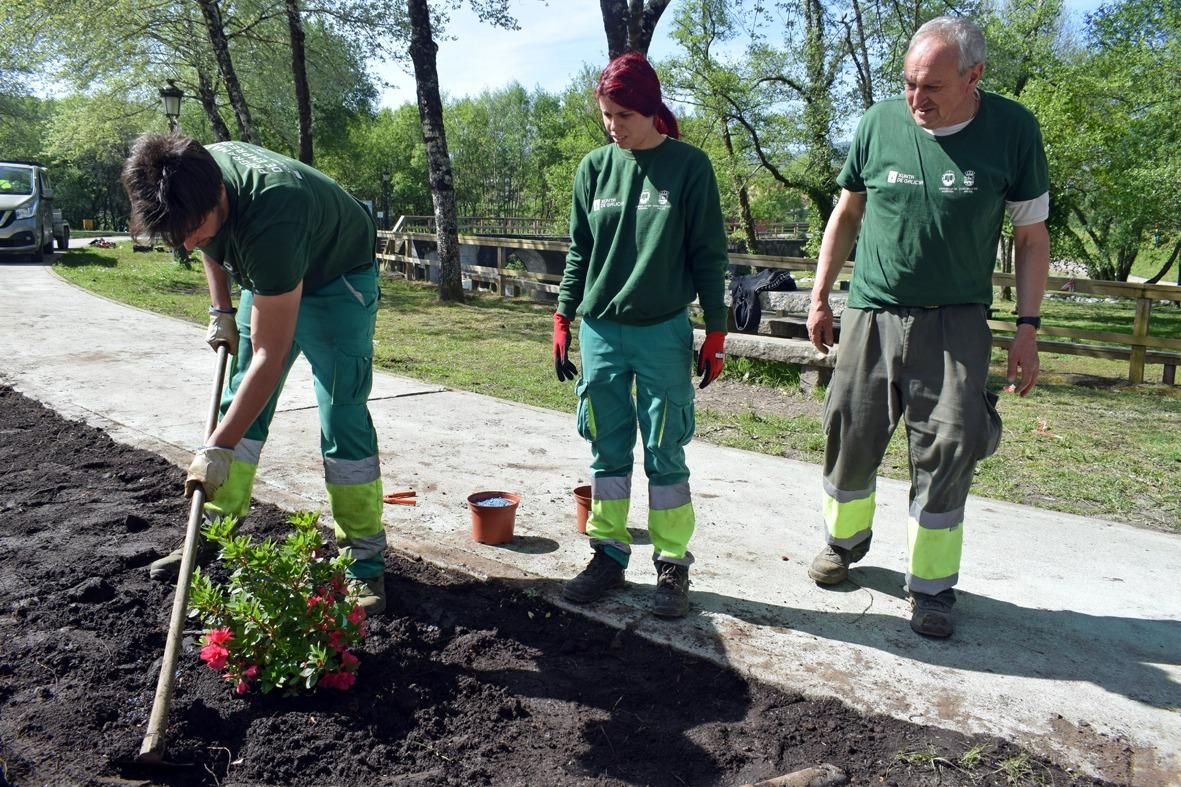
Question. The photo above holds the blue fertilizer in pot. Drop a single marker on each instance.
(495, 502)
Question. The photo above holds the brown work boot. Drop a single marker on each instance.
(831, 566)
(931, 615)
(370, 593)
(603, 574)
(167, 568)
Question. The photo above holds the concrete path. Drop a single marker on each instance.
(1070, 628)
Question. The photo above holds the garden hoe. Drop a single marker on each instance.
(152, 750)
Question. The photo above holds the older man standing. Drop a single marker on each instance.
(924, 191)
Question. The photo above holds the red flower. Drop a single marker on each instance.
(251, 672)
(348, 661)
(338, 680)
(242, 687)
(357, 615)
(215, 656)
(219, 636)
(336, 640)
(313, 601)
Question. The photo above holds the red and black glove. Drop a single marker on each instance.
(562, 366)
(712, 357)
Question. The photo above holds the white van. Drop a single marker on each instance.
(28, 222)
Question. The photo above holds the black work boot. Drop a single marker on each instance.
(831, 566)
(167, 568)
(931, 615)
(602, 574)
(672, 590)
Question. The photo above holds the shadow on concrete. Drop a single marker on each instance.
(1118, 654)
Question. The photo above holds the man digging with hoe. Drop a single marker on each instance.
(302, 250)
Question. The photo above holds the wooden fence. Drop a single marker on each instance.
(1139, 348)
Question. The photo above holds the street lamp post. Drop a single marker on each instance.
(170, 99)
(385, 199)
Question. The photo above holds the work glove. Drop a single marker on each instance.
(562, 365)
(209, 469)
(712, 357)
(223, 329)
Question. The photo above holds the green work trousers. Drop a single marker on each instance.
(927, 367)
(638, 376)
(334, 331)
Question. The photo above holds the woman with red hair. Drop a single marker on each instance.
(647, 239)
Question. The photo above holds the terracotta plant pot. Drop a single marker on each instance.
(493, 524)
(582, 504)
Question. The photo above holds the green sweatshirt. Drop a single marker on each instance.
(646, 237)
(288, 223)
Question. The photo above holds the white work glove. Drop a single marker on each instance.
(209, 469)
(223, 329)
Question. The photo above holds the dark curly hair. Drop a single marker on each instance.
(173, 183)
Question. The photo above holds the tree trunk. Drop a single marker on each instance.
(747, 219)
(629, 24)
(299, 72)
(1168, 264)
(430, 112)
(221, 50)
(208, 97)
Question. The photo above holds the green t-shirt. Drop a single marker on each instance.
(646, 236)
(935, 204)
(288, 222)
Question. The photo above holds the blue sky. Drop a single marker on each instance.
(555, 40)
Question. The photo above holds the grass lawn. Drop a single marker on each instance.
(1083, 442)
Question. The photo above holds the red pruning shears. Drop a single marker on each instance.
(401, 498)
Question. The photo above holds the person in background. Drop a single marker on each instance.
(924, 190)
(302, 251)
(647, 239)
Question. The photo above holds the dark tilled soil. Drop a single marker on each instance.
(462, 682)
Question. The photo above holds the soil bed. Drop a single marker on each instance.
(462, 682)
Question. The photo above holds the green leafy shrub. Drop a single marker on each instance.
(286, 618)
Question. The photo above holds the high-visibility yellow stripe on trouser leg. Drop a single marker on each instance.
(671, 521)
(848, 515)
(936, 544)
(610, 505)
(354, 492)
(233, 497)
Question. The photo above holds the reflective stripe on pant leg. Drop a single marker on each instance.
(233, 497)
(354, 492)
(610, 504)
(861, 411)
(607, 419)
(671, 521)
(848, 516)
(335, 332)
(952, 426)
(936, 543)
(662, 356)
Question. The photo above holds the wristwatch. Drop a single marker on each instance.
(1036, 322)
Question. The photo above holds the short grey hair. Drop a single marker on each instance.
(965, 35)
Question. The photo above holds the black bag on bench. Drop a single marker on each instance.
(744, 296)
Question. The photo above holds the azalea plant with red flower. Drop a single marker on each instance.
(285, 618)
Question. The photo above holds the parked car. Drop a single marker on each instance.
(28, 223)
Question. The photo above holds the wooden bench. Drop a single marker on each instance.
(815, 368)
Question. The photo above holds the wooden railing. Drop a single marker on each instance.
(1139, 348)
